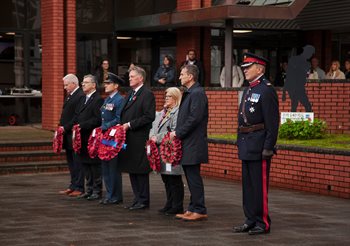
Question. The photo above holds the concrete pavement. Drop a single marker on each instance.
(33, 213)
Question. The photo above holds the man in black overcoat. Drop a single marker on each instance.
(88, 117)
(258, 122)
(191, 129)
(73, 96)
(137, 116)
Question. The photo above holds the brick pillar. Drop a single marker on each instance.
(58, 36)
(71, 40)
(190, 38)
(188, 4)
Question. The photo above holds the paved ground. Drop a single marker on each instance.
(33, 213)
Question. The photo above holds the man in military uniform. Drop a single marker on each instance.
(258, 122)
(110, 114)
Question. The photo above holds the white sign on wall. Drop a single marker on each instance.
(297, 116)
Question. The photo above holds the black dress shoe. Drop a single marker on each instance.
(83, 196)
(173, 211)
(110, 202)
(131, 205)
(163, 210)
(242, 228)
(93, 197)
(138, 206)
(258, 230)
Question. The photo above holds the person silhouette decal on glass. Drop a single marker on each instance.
(298, 67)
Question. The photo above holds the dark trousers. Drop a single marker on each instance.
(140, 188)
(174, 188)
(195, 185)
(76, 172)
(255, 182)
(93, 178)
(112, 179)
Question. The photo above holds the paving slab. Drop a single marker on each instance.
(33, 213)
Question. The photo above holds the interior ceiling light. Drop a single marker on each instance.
(123, 38)
(242, 31)
(10, 33)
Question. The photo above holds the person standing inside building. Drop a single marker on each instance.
(237, 75)
(347, 69)
(334, 71)
(258, 122)
(137, 116)
(316, 72)
(88, 118)
(73, 97)
(165, 75)
(171, 175)
(191, 59)
(191, 129)
(110, 114)
(102, 71)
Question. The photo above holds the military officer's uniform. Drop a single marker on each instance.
(258, 122)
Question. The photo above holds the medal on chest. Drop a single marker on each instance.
(109, 106)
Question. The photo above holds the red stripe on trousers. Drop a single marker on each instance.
(265, 201)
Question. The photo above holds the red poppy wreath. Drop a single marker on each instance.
(76, 139)
(153, 155)
(58, 140)
(170, 150)
(94, 142)
(111, 143)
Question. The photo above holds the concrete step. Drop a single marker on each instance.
(29, 156)
(33, 167)
(25, 145)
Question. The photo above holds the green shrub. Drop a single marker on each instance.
(303, 129)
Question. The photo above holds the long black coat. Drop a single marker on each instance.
(191, 127)
(140, 112)
(70, 105)
(88, 116)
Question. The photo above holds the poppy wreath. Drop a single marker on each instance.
(153, 155)
(170, 150)
(94, 142)
(111, 143)
(76, 139)
(58, 140)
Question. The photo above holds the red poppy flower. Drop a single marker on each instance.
(76, 139)
(111, 143)
(153, 155)
(94, 142)
(171, 150)
(58, 140)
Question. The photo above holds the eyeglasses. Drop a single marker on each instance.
(86, 82)
(168, 96)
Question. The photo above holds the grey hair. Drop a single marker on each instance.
(71, 78)
(191, 69)
(92, 78)
(139, 71)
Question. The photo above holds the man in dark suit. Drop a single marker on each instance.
(73, 96)
(88, 117)
(258, 122)
(137, 116)
(191, 129)
(191, 59)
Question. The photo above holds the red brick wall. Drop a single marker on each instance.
(331, 103)
(52, 61)
(188, 4)
(327, 174)
(58, 56)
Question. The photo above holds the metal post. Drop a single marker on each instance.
(228, 51)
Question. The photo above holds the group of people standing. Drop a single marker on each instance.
(184, 117)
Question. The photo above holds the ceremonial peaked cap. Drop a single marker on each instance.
(114, 79)
(250, 59)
